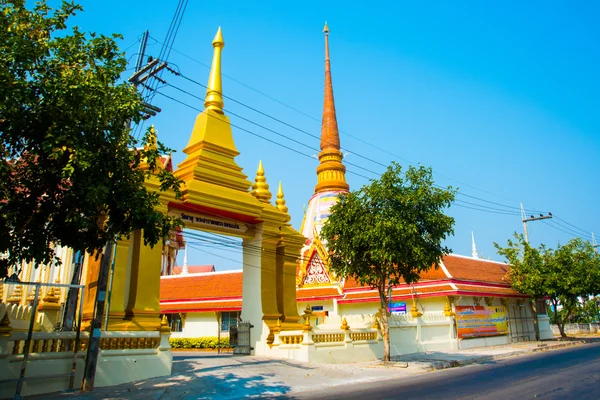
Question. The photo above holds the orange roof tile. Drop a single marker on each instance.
(432, 274)
(405, 291)
(473, 269)
(306, 294)
(199, 286)
(489, 290)
(194, 269)
(203, 306)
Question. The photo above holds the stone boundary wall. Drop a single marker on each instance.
(577, 329)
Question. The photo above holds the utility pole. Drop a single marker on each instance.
(531, 218)
(594, 243)
(534, 302)
(140, 76)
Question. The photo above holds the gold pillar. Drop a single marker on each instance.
(288, 251)
(91, 287)
(268, 276)
(119, 291)
(143, 308)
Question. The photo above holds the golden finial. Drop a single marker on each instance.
(151, 138)
(326, 28)
(5, 327)
(280, 200)
(345, 325)
(218, 40)
(15, 297)
(414, 311)
(214, 89)
(448, 308)
(164, 325)
(260, 188)
(376, 324)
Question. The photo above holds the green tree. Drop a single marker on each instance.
(69, 171)
(388, 232)
(564, 275)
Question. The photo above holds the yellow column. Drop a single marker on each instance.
(143, 309)
(268, 276)
(289, 251)
(91, 287)
(119, 292)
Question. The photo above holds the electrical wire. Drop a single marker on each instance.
(309, 134)
(341, 131)
(482, 208)
(254, 133)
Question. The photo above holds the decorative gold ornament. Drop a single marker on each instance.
(345, 325)
(260, 188)
(214, 88)
(414, 311)
(280, 200)
(16, 295)
(164, 325)
(448, 308)
(5, 327)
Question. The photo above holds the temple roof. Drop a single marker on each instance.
(457, 276)
(194, 269)
(209, 291)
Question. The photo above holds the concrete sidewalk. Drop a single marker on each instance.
(198, 375)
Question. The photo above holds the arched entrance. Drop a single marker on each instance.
(217, 198)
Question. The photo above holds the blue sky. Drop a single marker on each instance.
(500, 99)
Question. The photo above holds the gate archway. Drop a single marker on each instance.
(217, 198)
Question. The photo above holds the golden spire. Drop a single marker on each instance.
(280, 200)
(260, 188)
(330, 136)
(214, 89)
(331, 173)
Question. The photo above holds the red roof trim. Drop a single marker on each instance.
(307, 299)
(434, 294)
(200, 299)
(191, 310)
(399, 297)
(400, 286)
(480, 283)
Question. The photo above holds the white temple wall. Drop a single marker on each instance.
(199, 325)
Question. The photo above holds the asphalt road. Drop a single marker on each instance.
(572, 373)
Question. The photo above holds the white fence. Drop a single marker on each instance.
(354, 338)
(577, 329)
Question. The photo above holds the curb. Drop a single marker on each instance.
(438, 365)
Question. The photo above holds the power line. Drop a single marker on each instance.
(253, 133)
(344, 132)
(487, 209)
(278, 120)
(311, 135)
(567, 230)
(276, 132)
(573, 226)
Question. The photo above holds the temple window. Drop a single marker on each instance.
(229, 319)
(175, 322)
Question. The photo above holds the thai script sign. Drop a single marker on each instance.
(203, 221)
(398, 308)
(480, 321)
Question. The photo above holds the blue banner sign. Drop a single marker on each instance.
(398, 308)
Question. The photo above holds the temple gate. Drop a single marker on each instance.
(217, 198)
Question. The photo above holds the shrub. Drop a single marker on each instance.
(209, 342)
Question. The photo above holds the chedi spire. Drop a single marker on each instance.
(331, 173)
